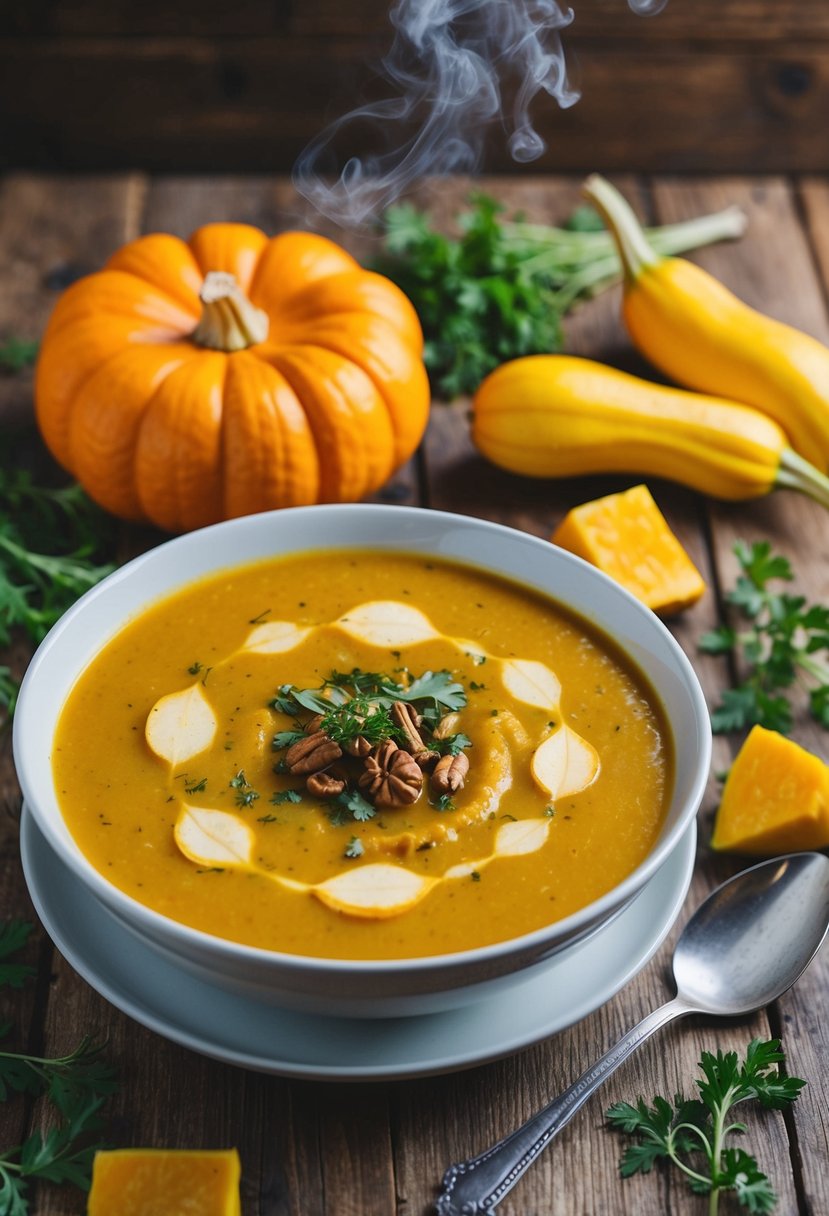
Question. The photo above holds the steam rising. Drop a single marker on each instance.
(450, 62)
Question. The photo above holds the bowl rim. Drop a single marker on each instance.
(157, 924)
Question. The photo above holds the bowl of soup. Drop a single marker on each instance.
(361, 759)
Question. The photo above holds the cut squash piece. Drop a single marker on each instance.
(165, 1182)
(775, 799)
(627, 536)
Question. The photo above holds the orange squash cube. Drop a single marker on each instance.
(775, 799)
(165, 1182)
(627, 536)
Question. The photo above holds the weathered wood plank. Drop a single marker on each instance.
(771, 269)
(814, 197)
(53, 230)
(170, 103)
(700, 20)
(50, 231)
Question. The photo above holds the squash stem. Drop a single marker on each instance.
(229, 321)
(797, 474)
(634, 251)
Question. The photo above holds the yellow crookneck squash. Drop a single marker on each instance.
(696, 331)
(189, 382)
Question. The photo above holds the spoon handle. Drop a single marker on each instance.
(479, 1184)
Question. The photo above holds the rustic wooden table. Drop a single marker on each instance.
(320, 1149)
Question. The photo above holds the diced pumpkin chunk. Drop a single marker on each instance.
(627, 536)
(165, 1182)
(775, 799)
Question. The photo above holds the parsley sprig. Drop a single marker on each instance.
(692, 1133)
(781, 646)
(75, 1086)
(499, 289)
(52, 546)
(357, 692)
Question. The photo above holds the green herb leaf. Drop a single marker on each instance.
(13, 937)
(692, 1134)
(51, 545)
(354, 848)
(17, 353)
(286, 738)
(283, 796)
(780, 647)
(451, 745)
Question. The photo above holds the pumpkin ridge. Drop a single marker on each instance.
(334, 469)
(407, 430)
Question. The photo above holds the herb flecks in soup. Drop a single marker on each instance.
(369, 742)
(332, 773)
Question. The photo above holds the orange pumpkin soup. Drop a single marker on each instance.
(362, 755)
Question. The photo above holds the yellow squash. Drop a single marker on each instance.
(695, 330)
(561, 416)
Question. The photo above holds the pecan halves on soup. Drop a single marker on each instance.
(391, 777)
(407, 720)
(359, 747)
(312, 754)
(327, 784)
(450, 774)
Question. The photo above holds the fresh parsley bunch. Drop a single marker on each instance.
(75, 1087)
(500, 288)
(692, 1133)
(52, 546)
(781, 646)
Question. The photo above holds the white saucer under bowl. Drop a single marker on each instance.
(152, 990)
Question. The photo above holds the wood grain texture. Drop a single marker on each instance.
(377, 1150)
(700, 20)
(716, 87)
(772, 269)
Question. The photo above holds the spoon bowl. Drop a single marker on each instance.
(754, 936)
(750, 940)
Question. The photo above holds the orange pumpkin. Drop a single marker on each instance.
(191, 382)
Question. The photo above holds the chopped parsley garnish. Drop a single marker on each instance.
(283, 796)
(354, 848)
(194, 668)
(359, 717)
(475, 876)
(267, 818)
(452, 745)
(444, 803)
(286, 738)
(353, 801)
(245, 796)
(257, 620)
(197, 787)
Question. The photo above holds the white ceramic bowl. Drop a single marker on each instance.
(358, 988)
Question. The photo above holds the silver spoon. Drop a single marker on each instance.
(744, 947)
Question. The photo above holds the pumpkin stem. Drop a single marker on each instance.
(229, 321)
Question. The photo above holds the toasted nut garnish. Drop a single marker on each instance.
(407, 720)
(359, 747)
(449, 774)
(325, 785)
(312, 754)
(426, 759)
(313, 724)
(447, 726)
(391, 777)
